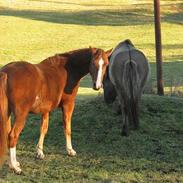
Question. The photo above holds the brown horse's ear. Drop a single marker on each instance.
(97, 53)
(109, 52)
(94, 51)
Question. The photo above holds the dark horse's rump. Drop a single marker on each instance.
(40, 88)
(126, 77)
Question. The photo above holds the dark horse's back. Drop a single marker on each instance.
(128, 73)
(126, 55)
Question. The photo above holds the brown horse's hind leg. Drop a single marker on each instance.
(67, 110)
(43, 131)
(19, 123)
(9, 125)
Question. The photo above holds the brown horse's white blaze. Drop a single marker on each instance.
(99, 74)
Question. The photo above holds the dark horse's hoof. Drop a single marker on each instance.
(125, 133)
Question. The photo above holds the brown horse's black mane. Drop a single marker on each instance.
(75, 57)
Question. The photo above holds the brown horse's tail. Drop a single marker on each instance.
(3, 117)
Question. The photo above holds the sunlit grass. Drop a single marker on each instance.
(34, 30)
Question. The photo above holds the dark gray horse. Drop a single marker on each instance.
(125, 78)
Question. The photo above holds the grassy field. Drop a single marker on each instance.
(152, 154)
(35, 29)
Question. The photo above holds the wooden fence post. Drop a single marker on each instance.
(160, 88)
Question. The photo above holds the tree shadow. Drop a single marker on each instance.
(138, 14)
(164, 46)
(175, 17)
(91, 17)
(74, 3)
(172, 72)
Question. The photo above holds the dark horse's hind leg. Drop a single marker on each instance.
(136, 120)
(19, 123)
(125, 124)
(117, 106)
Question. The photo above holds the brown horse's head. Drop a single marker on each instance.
(98, 66)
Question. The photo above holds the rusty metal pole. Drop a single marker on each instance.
(160, 89)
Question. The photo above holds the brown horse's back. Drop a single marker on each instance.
(22, 84)
(34, 88)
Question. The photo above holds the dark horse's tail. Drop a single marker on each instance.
(131, 89)
(3, 117)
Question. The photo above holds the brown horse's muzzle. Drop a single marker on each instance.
(95, 87)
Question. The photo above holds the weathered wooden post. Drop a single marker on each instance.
(160, 89)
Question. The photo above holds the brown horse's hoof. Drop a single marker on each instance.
(71, 152)
(40, 155)
(18, 171)
(16, 168)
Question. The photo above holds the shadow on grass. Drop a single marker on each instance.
(136, 15)
(165, 46)
(172, 72)
(177, 16)
(87, 4)
(93, 17)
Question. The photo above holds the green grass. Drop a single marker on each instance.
(154, 153)
(35, 29)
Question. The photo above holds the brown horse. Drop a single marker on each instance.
(40, 88)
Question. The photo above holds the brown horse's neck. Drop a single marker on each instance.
(76, 62)
(79, 61)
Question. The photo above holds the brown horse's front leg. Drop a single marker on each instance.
(67, 110)
(43, 131)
